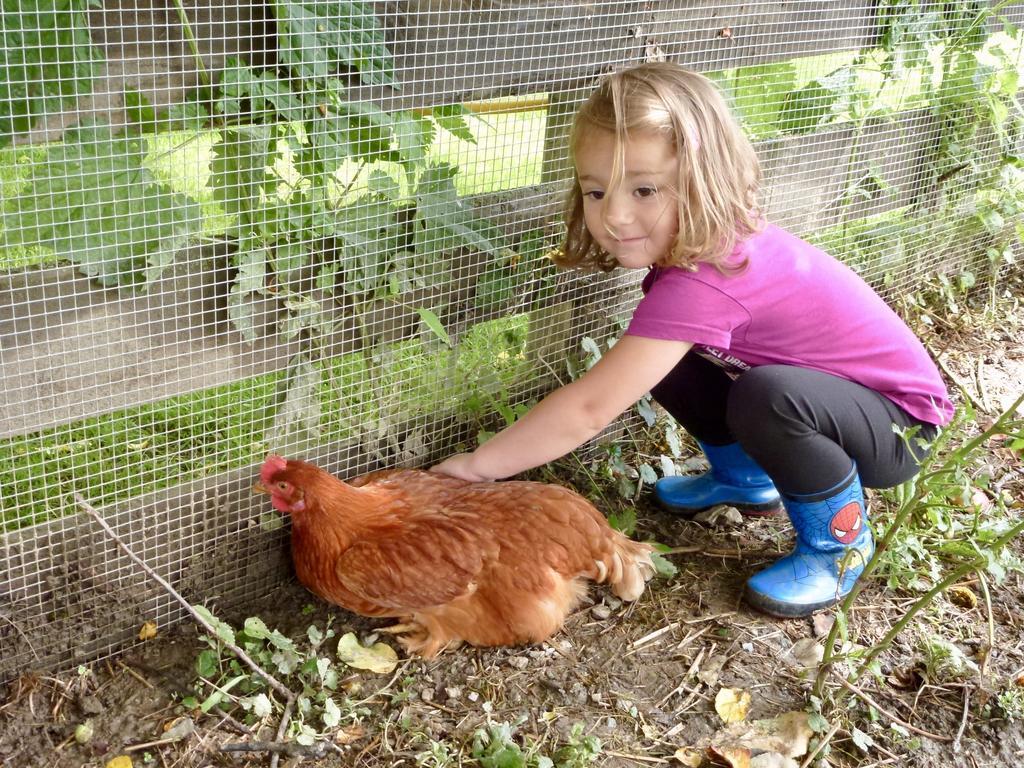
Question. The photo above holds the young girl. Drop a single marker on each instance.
(784, 364)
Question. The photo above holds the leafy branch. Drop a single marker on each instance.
(929, 488)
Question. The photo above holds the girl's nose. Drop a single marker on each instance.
(617, 211)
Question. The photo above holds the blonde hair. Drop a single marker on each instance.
(719, 174)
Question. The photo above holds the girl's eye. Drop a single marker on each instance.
(646, 192)
(595, 194)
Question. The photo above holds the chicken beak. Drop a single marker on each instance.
(259, 488)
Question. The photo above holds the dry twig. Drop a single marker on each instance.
(278, 748)
(242, 655)
(272, 681)
(882, 711)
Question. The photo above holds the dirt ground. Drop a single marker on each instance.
(642, 678)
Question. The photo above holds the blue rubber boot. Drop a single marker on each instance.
(833, 544)
(734, 479)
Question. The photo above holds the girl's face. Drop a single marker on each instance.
(637, 222)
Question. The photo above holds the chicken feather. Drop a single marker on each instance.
(484, 563)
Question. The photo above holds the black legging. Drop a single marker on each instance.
(802, 426)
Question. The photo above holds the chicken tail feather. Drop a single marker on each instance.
(631, 567)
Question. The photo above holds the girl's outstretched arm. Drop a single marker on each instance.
(572, 414)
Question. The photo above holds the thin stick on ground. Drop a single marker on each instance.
(882, 711)
(281, 728)
(821, 745)
(983, 586)
(242, 655)
(287, 748)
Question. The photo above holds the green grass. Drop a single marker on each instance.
(123, 454)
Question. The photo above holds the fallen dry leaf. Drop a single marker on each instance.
(735, 757)
(772, 760)
(822, 623)
(711, 669)
(732, 704)
(806, 654)
(963, 596)
(121, 761)
(349, 733)
(689, 757)
(787, 735)
(175, 730)
(379, 657)
(148, 631)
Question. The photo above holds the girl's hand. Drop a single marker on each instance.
(460, 466)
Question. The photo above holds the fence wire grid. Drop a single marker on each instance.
(323, 228)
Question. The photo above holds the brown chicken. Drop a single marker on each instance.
(485, 563)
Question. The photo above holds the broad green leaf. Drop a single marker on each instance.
(47, 61)
(269, 98)
(357, 130)
(239, 175)
(452, 117)
(759, 92)
(413, 135)
(380, 183)
(803, 109)
(909, 30)
(219, 693)
(222, 629)
(315, 39)
(299, 415)
(93, 202)
(242, 313)
(332, 715)
(206, 663)
(434, 324)
(444, 221)
(380, 657)
(138, 110)
(190, 116)
(256, 628)
(501, 283)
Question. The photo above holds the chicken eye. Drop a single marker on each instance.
(282, 485)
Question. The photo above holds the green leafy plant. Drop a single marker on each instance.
(933, 522)
(321, 704)
(115, 220)
(302, 238)
(495, 746)
(47, 60)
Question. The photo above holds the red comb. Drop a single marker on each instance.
(271, 466)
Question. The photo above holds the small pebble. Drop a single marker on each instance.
(600, 611)
(472, 695)
(748, 647)
(518, 662)
(427, 694)
(90, 705)
(453, 693)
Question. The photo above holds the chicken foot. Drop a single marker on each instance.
(402, 629)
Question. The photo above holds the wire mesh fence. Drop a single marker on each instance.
(323, 229)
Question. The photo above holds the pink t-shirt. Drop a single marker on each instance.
(793, 305)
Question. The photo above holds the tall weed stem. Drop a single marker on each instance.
(910, 504)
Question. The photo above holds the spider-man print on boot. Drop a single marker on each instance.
(734, 479)
(833, 544)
